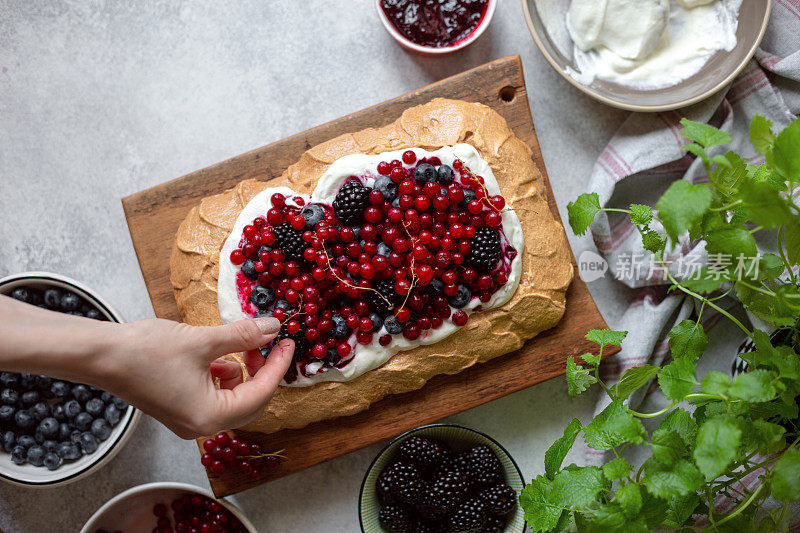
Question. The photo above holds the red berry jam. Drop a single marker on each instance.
(435, 23)
(390, 257)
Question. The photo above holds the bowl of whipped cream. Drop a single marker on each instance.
(648, 55)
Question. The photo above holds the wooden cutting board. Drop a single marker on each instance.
(154, 215)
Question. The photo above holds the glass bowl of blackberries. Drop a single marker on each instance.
(442, 478)
(53, 432)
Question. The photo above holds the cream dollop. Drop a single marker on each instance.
(367, 357)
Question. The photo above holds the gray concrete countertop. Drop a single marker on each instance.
(99, 100)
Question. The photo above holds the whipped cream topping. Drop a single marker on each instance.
(234, 303)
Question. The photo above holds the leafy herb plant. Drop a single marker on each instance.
(717, 431)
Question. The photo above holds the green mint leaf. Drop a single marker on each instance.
(556, 453)
(791, 240)
(582, 212)
(717, 446)
(769, 308)
(578, 378)
(629, 498)
(764, 204)
(681, 509)
(705, 280)
(730, 172)
(677, 379)
(615, 425)
(682, 206)
(541, 513)
(654, 510)
(715, 383)
(617, 468)
(652, 241)
(605, 337)
(754, 386)
(668, 446)
(771, 265)
(734, 243)
(592, 359)
(787, 362)
(669, 481)
(786, 476)
(768, 436)
(703, 134)
(681, 421)
(577, 487)
(786, 152)
(610, 518)
(633, 379)
(687, 340)
(641, 215)
(761, 135)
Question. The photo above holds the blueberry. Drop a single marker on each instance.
(94, 314)
(9, 379)
(83, 421)
(9, 397)
(384, 249)
(19, 455)
(392, 326)
(41, 410)
(64, 431)
(26, 441)
(35, 455)
(356, 234)
(30, 397)
(377, 321)
(312, 213)
(7, 413)
(52, 461)
(436, 285)
(340, 329)
(264, 248)
(81, 393)
(48, 427)
(52, 298)
(396, 202)
(263, 313)
(249, 270)
(387, 187)
(49, 445)
(59, 413)
(462, 297)
(22, 294)
(445, 175)
(101, 428)
(88, 443)
(9, 441)
(262, 296)
(75, 436)
(332, 358)
(283, 304)
(95, 407)
(107, 397)
(24, 419)
(70, 302)
(120, 404)
(68, 451)
(60, 389)
(72, 408)
(27, 381)
(424, 173)
(469, 195)
(43, 383)
(112, 414)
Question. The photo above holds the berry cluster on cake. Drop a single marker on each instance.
(388, 255)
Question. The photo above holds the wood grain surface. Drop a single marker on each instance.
(153, 217)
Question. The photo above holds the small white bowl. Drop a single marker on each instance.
(131, 511)
(27, 475)
(411, 46)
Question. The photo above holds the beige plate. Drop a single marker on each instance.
(718, 72)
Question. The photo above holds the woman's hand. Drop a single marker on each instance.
(164, 368)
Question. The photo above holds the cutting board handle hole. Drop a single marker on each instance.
(508, 93)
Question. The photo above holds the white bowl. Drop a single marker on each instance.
(411, 46)
(131, 511)
(27, 475)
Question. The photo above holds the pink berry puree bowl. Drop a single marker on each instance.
(432, 51)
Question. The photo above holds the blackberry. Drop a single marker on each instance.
(469, 517)
(395, 519)
(485, 249)
(290, 241)
(383, 486)
(406, 483)
(301, 344)
(386, 289)
(500, 499)
(350, 202)
(430, 527)
(444, 494)
(482, 466)
(494, 524)
(422, 452)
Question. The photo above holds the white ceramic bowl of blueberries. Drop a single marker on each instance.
(53, 432)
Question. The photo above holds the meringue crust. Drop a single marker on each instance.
(537, 304)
